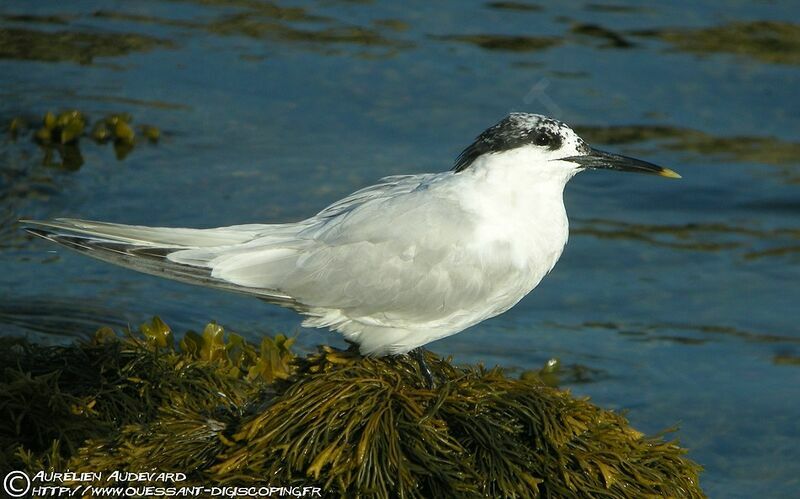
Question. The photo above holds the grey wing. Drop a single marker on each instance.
(283, 256)
(394, 254)
(387, 187)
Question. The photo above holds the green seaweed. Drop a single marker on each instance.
(615, 8)
(61, 134)
(255, 27)
(509, 43)
(36, 19)
(786, 360)
(515, 6)
(555, 373)
(72, 46)
(612, 39)
(264, 9)
(775, 42)
(267, 20)
(224, 411)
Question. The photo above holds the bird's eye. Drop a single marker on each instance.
(542, 139)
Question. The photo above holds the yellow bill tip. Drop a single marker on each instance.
(666, 172)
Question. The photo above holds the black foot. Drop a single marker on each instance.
(419, 355)
(352, 346)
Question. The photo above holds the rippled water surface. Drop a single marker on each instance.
(675, 301)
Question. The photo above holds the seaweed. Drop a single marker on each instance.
(62, 132)
(515, 6)
(612, 39)
(270, 21)
(776, 42)
(72, 46)
(507, 43)
(224, 411)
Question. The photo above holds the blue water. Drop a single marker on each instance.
(678, 297)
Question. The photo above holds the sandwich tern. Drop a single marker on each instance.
(396, 265)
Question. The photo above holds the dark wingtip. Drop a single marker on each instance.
(44, 234)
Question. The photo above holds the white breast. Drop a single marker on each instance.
(467, 247)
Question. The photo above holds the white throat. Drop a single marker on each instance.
(518, 197)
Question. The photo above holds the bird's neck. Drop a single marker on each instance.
(519, 204)
(511, 182)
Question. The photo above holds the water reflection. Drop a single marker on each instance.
(59, 316)
(555, 373)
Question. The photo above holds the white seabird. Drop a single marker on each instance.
(396, 265)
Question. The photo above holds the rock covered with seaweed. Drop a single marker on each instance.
(226, 412)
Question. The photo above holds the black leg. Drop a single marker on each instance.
(419, 355)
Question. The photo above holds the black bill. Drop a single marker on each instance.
(597, 159)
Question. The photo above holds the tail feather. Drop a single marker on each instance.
(167, 237)
(147, 250)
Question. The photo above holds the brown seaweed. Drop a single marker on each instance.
(225, 412)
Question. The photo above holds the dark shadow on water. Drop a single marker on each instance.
(58, 316)
(60, 19)
(665, 330)
(515, 6)
(608, 37)
(508, 43)
(614, 8)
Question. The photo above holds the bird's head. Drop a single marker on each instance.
(548, 145)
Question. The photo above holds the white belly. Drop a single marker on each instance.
(496, 267)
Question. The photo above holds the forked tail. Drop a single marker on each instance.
(146, 249)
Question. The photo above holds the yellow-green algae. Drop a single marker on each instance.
(270, 21)
(786, 360)
(72, 46)
(62, 133)
(226, 412)
(767, 41)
